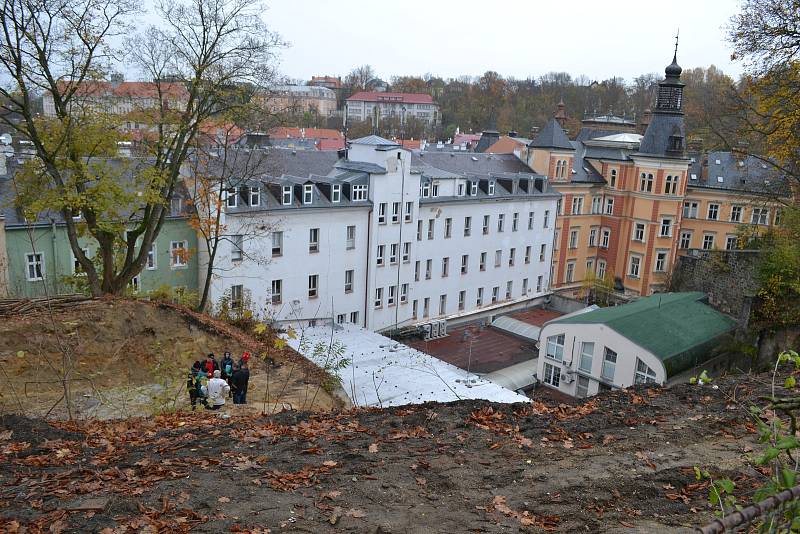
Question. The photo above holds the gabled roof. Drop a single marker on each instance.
(666, 324)
(552, 136)
(406, 98)
(374, 140)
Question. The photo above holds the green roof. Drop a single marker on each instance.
(669, 325)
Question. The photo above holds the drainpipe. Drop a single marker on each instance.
(55, 256)
(366, 279)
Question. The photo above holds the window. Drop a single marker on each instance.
(426, 305)
(403, 293)
(460, 190)
(731, 242)
(350, 239)
(416, 271)
(485, 225)
(613, 181)
(606, 237)
(490, 188)
(482, 263)
(542, 252)
(445, 267)
(552, 375)
(530, 220)
(690, 210)
(555, 347)
(570, 271)
(634, 265)
(464, 263)
(380, 258)
(379, 297)
(391, 295)
(495, 294)
(644, 375)
(336, 193)
(515, 222)
(601, 269)
(237, 247)
(686, 240)
(354, 317)
(435, 189)
(736, 214)
(426, 190)
(546, 218)
(511, 256)
(313, 240)
(255, 196)
(467, 226)
(428, 269)
(359, 192)
(286, 198)
(313, 286)
(592, 237)
(448, 228)
(509, 289)
(179, 253)
(35, 269)
(395, 212)
(587, 353)
(582, 387)
(151, 258)
(528, 254)
(462, 297)
(409, 214)
(393, 250)
(713, 212)
(431, 225)
(646, 183)
(708, 241)
(473, 188)
(419, 230)
(524, 286)
(308, 193)
(573, 239)
(276, 291)
(638, 232)
(414, 307)
(539, 283)
(406, 252)
(609, 365)
(661, 261)
(175, 208)
(760, 216)
(671, 185)
(348, 281)
(277, 243)
(609, 206)
(498, 258)
(577, 205)
(237, 297)
(442, 304)
(597, 205)
(479, 299)
(501, 219)
(232, 198)
(778, 217)
(340, 318)
(666, 227)
(382, 213)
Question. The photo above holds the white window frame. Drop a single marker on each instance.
(255, 197)
(308, 193)
(635, 266)
(555, 347)
(277, 244)
(467, 226)
(358, 192)
(313, 286)
(350, 237)
(313, 240)
(237, 247)
(609, 368)
(177, 261)
(276, 291)
(232, 197)
(552, 375)
(643, 374)
(152, 258)
(662, 258)
(286, 195)
(336, 193)
(349, 275)
(34, 266)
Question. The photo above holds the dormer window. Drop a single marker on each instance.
(426, 190)
(473, 189)
(435, 192)
(336, 193)
(232, 198)
(255, 196)
(675, 143)
(491, 187)
(308, 193)
(287, 195)
(461, 189)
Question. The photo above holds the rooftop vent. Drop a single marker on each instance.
(474, 158)
(718, 162)
(720, 179)
(694, 176)
(763, 165)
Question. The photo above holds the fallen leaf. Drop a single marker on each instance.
(421, 481)
(373, 448)
(353, 512)
(224, 499)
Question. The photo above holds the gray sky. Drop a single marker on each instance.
(520, 38)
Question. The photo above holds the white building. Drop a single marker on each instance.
(385, 241)
(652, 339)
(377, 106)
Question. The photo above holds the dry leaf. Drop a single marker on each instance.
(353, 512)
(373, 447)
(224, 499)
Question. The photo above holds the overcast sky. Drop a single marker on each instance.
(520, 38)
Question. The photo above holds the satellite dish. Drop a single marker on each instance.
(5, 139)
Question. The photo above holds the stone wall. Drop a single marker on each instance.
(729, 278)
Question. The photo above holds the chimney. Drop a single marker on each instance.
(512, 133)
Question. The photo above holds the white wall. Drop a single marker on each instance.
(602, 336)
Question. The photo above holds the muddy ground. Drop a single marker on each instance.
(621, 462)
(130, 358)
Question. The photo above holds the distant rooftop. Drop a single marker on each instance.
(375, 96)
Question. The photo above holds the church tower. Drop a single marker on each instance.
(665, 134)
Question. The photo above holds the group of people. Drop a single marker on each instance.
(210, 382)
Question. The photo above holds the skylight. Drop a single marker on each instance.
(720, 179)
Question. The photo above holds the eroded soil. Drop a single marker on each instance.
(622, 462)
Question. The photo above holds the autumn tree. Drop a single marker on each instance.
(205, 57)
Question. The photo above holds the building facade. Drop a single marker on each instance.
(298, 99)
(385, 240)
(377, 106)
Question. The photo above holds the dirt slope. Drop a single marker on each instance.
(620, 463)
(125, 353)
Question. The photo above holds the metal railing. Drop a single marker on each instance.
(774, 514)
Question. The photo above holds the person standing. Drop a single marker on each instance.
(239, 382)
(210, 364)
(215, 391)
(192, 383)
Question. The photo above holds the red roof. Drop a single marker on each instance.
(410, 144)
(330, 144)
(466, 138)
(408, 98)
(130, 89)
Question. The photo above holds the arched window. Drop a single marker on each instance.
(558, 169)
